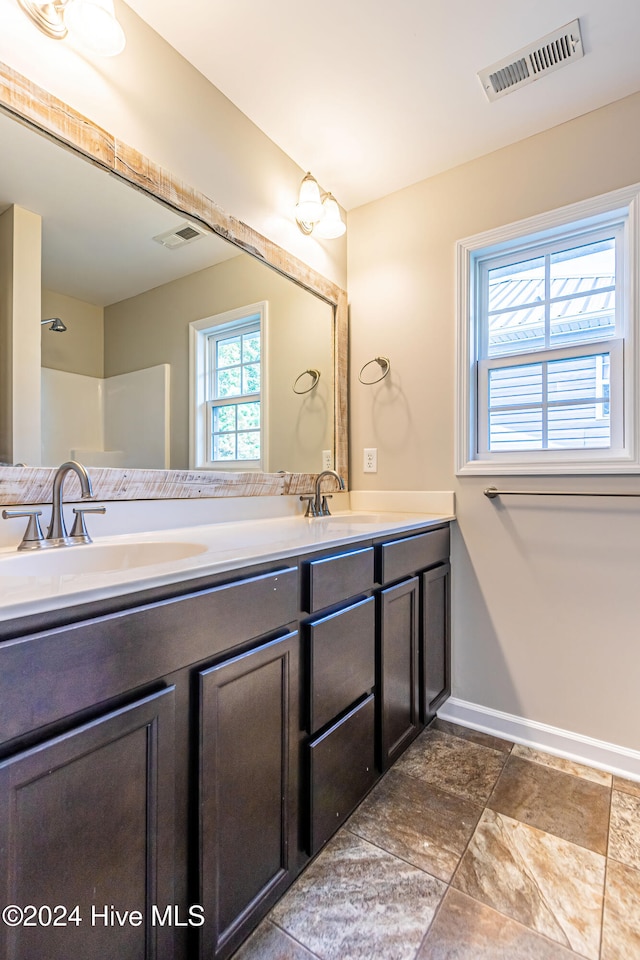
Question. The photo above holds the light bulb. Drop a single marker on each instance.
(309, 206)
(332, 225)
(94, 24)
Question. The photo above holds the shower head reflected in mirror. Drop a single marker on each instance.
(56, 324)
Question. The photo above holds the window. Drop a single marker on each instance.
(234, 394)
(546, 365)
(227, 388)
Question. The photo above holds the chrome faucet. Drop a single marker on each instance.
(57, 532)
(317, 505)
(57, 535)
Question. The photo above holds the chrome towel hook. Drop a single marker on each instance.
(385, 365)
(315, 376)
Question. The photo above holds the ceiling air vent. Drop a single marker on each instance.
(186, 233)
(532, 62)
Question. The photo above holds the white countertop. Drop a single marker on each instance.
(211, 548)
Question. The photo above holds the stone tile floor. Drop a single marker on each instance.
(471, 848)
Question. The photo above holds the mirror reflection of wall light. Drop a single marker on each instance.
(318, 213)
(92, 23)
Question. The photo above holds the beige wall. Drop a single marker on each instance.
(545, 598)
(20, 245)
(80, 349)
(153, 328)
(152, 99)
(6, 338)
(545, 615)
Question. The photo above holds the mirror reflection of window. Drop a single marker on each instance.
(128, 303)
(235, 405)
(229, 389)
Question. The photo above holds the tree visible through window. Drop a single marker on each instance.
(228, 386)
(234, 385)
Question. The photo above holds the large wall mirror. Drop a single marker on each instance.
(147, 281)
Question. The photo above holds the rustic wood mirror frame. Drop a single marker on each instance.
(51, 117)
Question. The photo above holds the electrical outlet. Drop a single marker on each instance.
(370, 460)
(327, 460)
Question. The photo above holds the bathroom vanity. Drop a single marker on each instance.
(177, 744)
(188, 715)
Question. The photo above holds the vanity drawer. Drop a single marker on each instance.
(336, 578)
(135, 647)
(342, 769)
(341, 650)
(398, 558)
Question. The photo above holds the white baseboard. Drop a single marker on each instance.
(621, 761)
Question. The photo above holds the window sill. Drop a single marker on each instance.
(486, 468)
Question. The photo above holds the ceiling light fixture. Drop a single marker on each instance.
(317, 212)
(92, 22)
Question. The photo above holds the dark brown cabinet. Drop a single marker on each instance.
(341, 656)
(333, 579)
(435, 648)
(87, 838)
(413, 636)
(406, 556)
(342, 770)
(99, 807)
(398, 669)
(247, 789)
(195, 746)
(340, 653)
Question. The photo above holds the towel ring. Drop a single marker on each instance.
(385, 366)
(315, 374)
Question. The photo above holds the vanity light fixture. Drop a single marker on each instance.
(92, 22)
(317, 212)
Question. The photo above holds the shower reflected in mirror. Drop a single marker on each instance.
(56, 324)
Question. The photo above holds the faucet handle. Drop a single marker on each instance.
(325, 512)
(311, 504)
(33, 536)
(79, 528)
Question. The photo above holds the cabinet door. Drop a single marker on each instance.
(399, 688)
(86, 821)
(248, 789)
(436, 640)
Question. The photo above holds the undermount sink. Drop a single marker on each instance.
(348, 518)
(95, 558)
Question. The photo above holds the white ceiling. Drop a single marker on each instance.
(372, 96)
(97, 232)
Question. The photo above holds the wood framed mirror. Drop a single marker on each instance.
(59, 128)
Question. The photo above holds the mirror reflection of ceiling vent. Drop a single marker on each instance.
(186, 233)
(550, 53)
